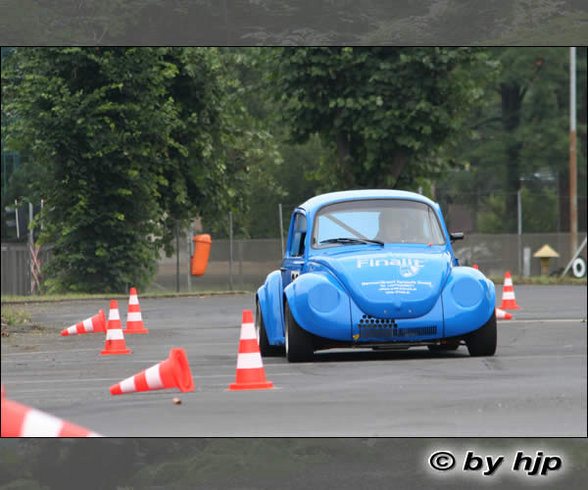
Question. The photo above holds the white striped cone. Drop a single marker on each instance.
(503, 315)
(508, 296)
(115, 339)
(134, 318)
(174, 372)
(22, 421)
(96, 323)
(250, 373)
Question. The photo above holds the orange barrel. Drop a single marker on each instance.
(199, 260)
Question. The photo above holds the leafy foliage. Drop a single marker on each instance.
(521, 141)
(127, 144)
(388, 114)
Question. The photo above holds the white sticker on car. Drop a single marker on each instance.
(408, 267)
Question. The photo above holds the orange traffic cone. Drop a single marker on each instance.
(250, 373)
(503, 315)
(475, 266)
(22, 421)
(115, 339)
(508, 296)
(134, 319)
(96, 323)
(174, 372)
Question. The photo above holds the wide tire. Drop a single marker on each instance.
(266, 349)
(299, 344)
(482, 342)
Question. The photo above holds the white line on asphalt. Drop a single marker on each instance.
(47, 352)
(200, 344)
(544, 320)
(200, 376)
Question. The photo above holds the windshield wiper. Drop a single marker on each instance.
(351, 241)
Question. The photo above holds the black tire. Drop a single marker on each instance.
(299, 344)
(482, 342)
(444, 347)
(266, 349)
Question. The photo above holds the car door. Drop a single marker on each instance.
(294, 256)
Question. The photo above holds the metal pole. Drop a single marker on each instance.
(16, 216)
(189, 236)
(31, 240)
(281, 228)
(231, 250)
(177, 257)
(31, 255)
(573, 156)
(240, 253)
(520, 227)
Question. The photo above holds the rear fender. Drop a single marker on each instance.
(270, 303)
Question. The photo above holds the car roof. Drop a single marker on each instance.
(332, 197)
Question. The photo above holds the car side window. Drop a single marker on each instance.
(298, 236)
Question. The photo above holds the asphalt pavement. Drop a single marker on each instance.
(534, 386)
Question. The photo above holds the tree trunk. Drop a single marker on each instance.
(398, 164)
(512, 98)
(344, 160)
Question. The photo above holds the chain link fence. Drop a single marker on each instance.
(242, 265)
(253, 259)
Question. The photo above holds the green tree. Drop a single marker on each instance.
(125, 146)
(521, 142)
(280, 172)
(388, 114)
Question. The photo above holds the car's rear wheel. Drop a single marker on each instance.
(299, 345)
(449, 346)
(266, 349)
(482, 342)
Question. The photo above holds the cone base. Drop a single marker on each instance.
(514, 307)
(136, 331)
(266, 385)
(105, 352)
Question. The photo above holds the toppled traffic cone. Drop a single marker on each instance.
(96, 323)
(174, 372)
(503, 315)
(115, 339)
(508, 296)
(134, 318)
(250, 373)
(22, 421)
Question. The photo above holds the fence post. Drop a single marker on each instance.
(189, 236)
(519, 229)
(281, 228)
(16, 217)
(231, 250)
(177, 257)
(240, 252)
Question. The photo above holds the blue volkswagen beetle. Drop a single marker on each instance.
(373, 269)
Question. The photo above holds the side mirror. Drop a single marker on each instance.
(458, 235)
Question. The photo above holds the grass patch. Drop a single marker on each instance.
(540, 281)
(12, 317)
